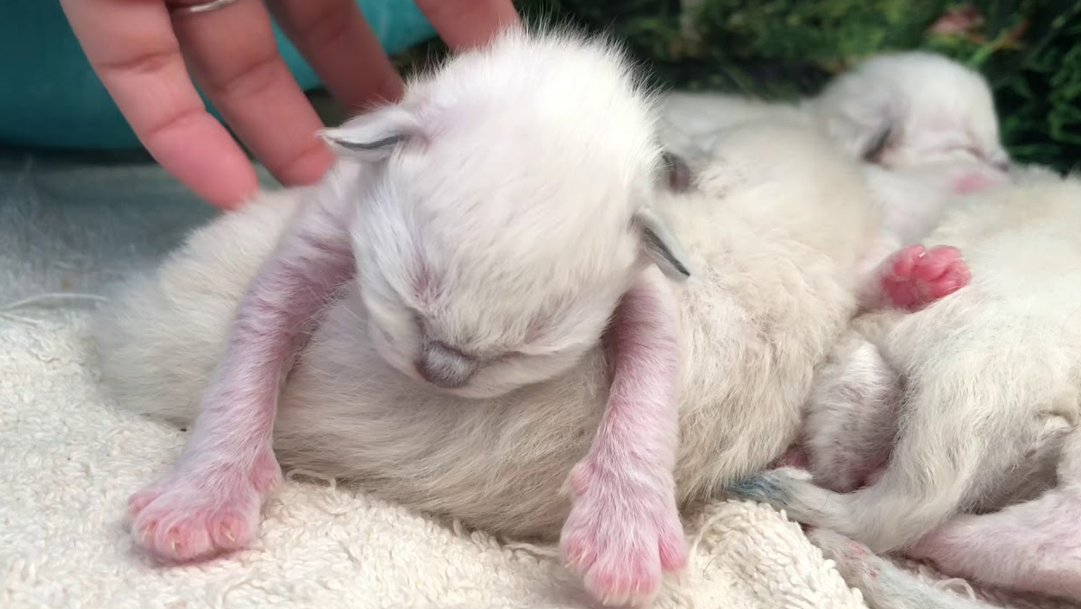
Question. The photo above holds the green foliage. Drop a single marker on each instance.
(1030, 50)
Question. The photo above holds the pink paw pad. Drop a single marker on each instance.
(915, 276)
(184, 533)
(622, 535)
(198, 515)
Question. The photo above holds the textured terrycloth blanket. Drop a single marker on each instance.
(69, 459)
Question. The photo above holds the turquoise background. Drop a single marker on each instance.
(49, 96)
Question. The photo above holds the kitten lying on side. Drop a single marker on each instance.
(518, 176)
(926, 128)
(775, 229)
(981, 422)
(606, 576)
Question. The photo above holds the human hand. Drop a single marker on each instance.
(143, 50)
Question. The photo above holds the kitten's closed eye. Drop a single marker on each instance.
(996, 160)
(878, 145)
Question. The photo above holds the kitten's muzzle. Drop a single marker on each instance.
(444, 366)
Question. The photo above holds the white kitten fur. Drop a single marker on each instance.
(933, 109)
(991, 374)
(928, 124)
(927, 127)
(979, 423)
(925, 123)
(691, 120)
(851, 416)
(775, 228)
(518, 177)
(495, 222)
(495, 463)
(906, 109)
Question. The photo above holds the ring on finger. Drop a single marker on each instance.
(202, 7)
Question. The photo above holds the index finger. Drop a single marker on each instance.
(133, 50)
(464, 24)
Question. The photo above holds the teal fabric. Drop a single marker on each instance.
(49, 96)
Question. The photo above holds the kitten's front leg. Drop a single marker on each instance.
(624, 529)
(210, 501)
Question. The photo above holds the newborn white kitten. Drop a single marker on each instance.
(775, 229)
(911, 108)
(926, 128)
(987, 413)
(852, 420)
(494, 218)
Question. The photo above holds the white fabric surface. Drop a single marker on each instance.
(69, 460)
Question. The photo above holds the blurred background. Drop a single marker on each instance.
(775, 49)
(1030, 50)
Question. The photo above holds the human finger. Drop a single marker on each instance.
(341, 47)
(134, 52)
(233, 56)
(464, 24)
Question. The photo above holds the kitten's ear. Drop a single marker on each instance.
(677, 172)
(862, 127)
(863, 137)
(681, 158)
(375, 135)
(660, 246)
(871, 147)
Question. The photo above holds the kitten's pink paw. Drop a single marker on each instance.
(198, 513)
(915, 276)
(622, 533)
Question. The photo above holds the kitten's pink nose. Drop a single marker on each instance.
(444, 366)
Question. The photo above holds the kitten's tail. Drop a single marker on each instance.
(883, 584)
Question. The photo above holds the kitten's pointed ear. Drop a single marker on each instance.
(677, 171)
(865, 138)
(862, 126)
(871, 147)
(375, 135)
(660, 246)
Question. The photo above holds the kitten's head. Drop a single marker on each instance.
(904, 109)
(509, 210)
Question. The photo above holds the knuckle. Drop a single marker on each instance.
(249, 79)
(327, 22)
(151, 62)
